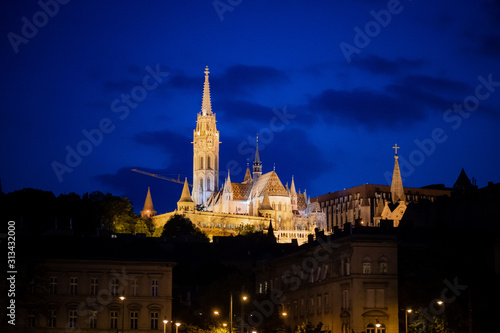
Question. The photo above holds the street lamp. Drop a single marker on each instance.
(243, 298)
(230, 312)
(406, 319)
(165, 321)
(122, 298)
(177, 327)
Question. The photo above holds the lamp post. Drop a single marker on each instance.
(441, 303)
(177, 327)
(165, 321)
(122, 298)
(406, 319)
(243, 299)
(230, 312)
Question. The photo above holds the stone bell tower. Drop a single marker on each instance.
(205, 150)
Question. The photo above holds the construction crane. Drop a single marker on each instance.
(178, 180)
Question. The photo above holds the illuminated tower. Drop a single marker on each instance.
(397, 191)
(205, 150)
(148, 209)
(257, 164)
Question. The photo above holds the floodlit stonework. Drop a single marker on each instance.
(259, 199)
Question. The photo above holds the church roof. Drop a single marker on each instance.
(269, 182)
(185, 196)
(301, 201)
(241, 191)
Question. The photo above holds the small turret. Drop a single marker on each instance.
(148, 209)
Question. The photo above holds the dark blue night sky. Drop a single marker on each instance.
(91, 90)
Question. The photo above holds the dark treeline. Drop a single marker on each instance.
(38, 211)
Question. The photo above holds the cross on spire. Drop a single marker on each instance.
(396, 148)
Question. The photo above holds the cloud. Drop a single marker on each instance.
(365, 107)
(378, 65)
(134, 186)
(290, 151)
(237, 111)
(236, 80)
(436, 84)
(490, 46)
(173, 144)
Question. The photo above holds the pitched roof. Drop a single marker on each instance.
(269, 182)
(462, 181)
(185, 196)
(241, 191)
(148, 203)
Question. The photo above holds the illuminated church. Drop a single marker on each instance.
(260, 199)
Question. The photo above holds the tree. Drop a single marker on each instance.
(309, 328)
(179, 226)
(245, 229)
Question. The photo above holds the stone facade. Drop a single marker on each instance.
(84, 295)
(349, 284)
(292, 214)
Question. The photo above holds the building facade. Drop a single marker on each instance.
(349, 284)
(94, 294)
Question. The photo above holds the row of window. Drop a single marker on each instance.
(321, 273)
(92, 320)
(382, 195)
(114, 286)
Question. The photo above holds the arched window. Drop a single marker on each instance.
(209, 162)
(370, 328)
(209, 183)
(201, 162)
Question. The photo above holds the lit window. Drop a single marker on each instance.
(366, 268)
(370, 328)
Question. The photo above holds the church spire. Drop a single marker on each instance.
(185, 196)
(206, 104)
(257, 164)
(397, 191)
(148, 209)
(292, 187)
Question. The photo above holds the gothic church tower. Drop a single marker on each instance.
(205, 150)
